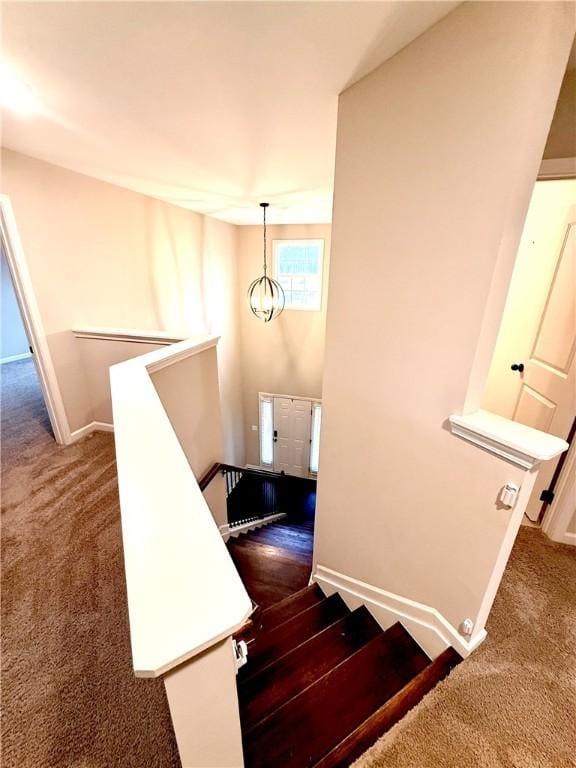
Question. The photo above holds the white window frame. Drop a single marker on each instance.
(316, 409)
(299, 241)
(262, 400)
(269, 397)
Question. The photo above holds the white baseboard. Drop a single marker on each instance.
(13, 358)
(94, 426)
(426, 625)
(227, 531)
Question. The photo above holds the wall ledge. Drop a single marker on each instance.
(524, 446)
(130, 334)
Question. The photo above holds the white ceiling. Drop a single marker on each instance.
(213, 106)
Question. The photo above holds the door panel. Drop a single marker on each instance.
(555, 341)
(547, 399)
(283, 434)
(292, 446)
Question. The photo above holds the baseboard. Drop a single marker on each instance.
(94, 426)
(426, 625)
(227, 531)
(13, 358)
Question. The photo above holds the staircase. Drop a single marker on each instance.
(275, 560)
(322, 683)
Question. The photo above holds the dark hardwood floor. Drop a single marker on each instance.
(274, 560)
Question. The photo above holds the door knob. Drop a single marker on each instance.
(517, 367)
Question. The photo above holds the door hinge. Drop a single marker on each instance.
(547, 496)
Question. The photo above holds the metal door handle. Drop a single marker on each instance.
(517, 367)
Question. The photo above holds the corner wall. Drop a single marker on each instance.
(103, 256)
(437, 154)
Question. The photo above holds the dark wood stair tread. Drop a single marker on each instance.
(311, 724)
(291, 606)
(281, 681)
(380, 721)
(268, 647)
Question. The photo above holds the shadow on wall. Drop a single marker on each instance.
(175, 245)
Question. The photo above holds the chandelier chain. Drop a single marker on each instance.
(264, 210)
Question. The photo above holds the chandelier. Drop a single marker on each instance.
(265, 295)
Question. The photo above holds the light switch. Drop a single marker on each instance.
(254, 428)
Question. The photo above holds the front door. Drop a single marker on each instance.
(547, 397)
(292, 436)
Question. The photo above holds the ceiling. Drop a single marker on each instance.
(213, 106)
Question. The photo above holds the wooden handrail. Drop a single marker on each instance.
(209, 475)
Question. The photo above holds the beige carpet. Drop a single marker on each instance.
(69, 698)
(512, 704)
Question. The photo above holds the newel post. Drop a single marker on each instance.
(203, 704)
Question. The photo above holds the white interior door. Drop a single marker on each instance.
(292, 436)
(547, 398)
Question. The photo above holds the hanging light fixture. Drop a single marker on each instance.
(265, 295)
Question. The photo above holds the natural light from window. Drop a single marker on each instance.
(266, 432)
(298, 269)
(315, 437)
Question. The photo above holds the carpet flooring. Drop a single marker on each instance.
(69, 697)
(70, 700)
(512, 704)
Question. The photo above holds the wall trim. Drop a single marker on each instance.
(557, 168)
(226, 531)
(129, 334)
(427, 625)
(94, 426)
(14, 358)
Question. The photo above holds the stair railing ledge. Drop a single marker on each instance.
(184, 593)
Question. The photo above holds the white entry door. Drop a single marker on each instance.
(292, 436)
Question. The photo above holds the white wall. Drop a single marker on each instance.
(13, 339)
(103, 256)
(285, 356)
(437, 153)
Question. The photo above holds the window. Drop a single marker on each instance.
(315, 437)
(298, 269)
(266, 432)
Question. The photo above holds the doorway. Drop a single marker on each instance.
(23, 409)
(532, 378)
(40, 366)
(290, 434)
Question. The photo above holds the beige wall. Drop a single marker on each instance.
(562, 137)
(103, 256)
(285, 356)
(189, 392)
(437, 153)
